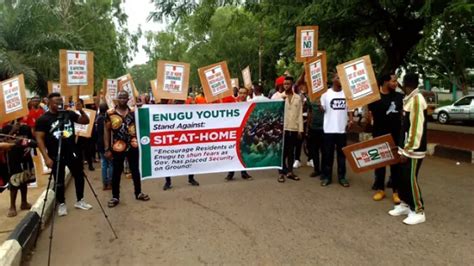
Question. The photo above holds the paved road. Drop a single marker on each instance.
(459, 128)
(264, 222)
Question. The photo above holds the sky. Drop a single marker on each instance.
(138, 11)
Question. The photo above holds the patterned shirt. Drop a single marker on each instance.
(124, 134)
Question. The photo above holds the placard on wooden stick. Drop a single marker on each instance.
(85, 130)
(306, 42)
(173, 80)
(215, 80)
(13, 103)
(316, 76)
(76, 71)
(358, 82)
(247, 77)
(154, 90)
(371, 154)
(234, 82)
(110, 91)
(54, 87)
(125, 83)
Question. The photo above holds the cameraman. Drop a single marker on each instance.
(54, 124)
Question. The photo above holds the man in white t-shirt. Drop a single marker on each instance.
(333, 103)
(258, 94)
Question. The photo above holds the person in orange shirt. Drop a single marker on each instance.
(35, 111)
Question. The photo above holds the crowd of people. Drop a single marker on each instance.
(320, 127)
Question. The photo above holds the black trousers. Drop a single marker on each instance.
(409, 190)
(190, 178)
(290, 140)
(73, 161)
(315, 141)
(119, 158)
(334, 141)
(242, 173)
(379, 182)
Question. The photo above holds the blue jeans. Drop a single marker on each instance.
(107, 168)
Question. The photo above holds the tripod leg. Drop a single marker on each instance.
(40, 222)
(100, 205)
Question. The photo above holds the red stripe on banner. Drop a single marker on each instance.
(170, 138)
(355, 67)
(242, 126)
(174, 68)
(77, 55)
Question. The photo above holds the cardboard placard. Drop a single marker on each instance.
(87, 99)
(215, 80)
(110, 91)
(371, 154)
(85, 130)
(125, 83)
(154, 90)
(39, 163)
(316, 76)
(76, 71)
(234, 83)
(54, 87)
(173, 80)
(358, 82)
(247, 77)
(306, 42)
(13, 103)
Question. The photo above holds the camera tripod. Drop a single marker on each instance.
(60, 127)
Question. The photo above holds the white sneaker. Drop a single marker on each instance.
(297, 164)
(415, 218)
(62, 209)
(310, 163)
(82, 205)
(400, 209)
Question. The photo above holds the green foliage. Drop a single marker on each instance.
(32, 32)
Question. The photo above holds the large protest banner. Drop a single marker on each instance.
(13, 103)
(371, 154)
(358, 82)
(196, 139)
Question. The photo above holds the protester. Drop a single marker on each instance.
(333, 103)
(44, 104)
(34, 112)
(293, 129)
(121, 122)
(259, 97)
(315, 135)
(106, 164)
(386, 114)
(302, 90)
(20, 168)
(241, 97)
(191, 179)
(87, 147)
(412, 150)
(59, 123)
(279, 91)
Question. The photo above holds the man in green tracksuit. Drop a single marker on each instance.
(412, 150)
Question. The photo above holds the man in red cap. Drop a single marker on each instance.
(278, 92)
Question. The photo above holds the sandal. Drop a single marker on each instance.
(113, 202)
(292, 177)
(281, 179)
(142, 197)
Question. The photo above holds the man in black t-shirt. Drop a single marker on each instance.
(58, 123)
(386, 114)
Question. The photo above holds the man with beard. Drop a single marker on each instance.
(386, 114)
(121, 122)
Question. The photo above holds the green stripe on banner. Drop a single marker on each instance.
(144, 127)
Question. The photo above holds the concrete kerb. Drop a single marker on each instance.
(21, 239)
